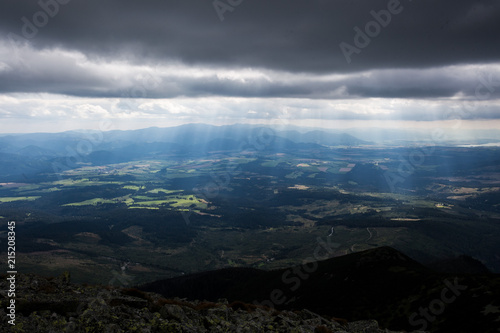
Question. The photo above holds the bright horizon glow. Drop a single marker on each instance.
(305, 124)
(29, 113)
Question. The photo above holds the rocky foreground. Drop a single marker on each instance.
(56, 305)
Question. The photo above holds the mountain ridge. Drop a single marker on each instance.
(39, 153)
(376, 283)
(50, 304)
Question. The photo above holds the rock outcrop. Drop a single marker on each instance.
(56, 305)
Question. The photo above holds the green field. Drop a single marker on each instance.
(14, 199)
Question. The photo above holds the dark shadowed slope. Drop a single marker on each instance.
(382, 283)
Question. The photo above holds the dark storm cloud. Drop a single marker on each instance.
(72, 73)
(283, 35)
(319, 59)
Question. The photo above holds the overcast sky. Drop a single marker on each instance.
(67, 64)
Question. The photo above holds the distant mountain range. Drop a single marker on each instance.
(381, 283)
(23, 155)
(231, 136)
(196, 137)
(29, 154)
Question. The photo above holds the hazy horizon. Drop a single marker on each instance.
(372, 135)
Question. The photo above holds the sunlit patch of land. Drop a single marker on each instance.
(10, 185)
(133, 187)
(162, 190)
(92, 202)
(13, 199)
(299, 187)
(143, 207)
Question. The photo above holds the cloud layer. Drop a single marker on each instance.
(292, 36)
(359, 60)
